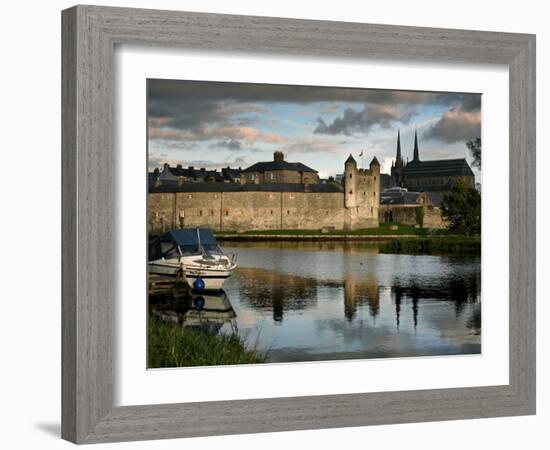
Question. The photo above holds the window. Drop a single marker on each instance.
(226, 212)
(272, 175)
(374, 194)
(200, 212)
(350, 175)
(351, 192)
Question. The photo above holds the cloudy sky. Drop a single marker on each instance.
(213, 125)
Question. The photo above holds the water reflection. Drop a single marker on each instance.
(266, 290)
(330, 300)
(208, 312)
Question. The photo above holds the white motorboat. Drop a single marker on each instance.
(193, 254)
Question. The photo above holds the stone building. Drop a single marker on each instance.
(436, 175)
(268, 205)
(399, 206)
(192, 174)
(279, 171)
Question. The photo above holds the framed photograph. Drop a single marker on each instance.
(267, 229)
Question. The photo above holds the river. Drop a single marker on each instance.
(312, 301)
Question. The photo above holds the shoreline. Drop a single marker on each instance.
(333, 237)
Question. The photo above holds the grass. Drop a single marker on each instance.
(172, 345)
(383, 229)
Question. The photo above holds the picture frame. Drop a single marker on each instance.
(89, 37)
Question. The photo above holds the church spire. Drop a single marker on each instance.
(416, 158)
(398, 159)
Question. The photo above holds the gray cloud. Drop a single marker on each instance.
(231, 144)
(361, 121)
(459, 124)
(196, 104)
(181, 113)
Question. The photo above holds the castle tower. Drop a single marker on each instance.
(350, 182)
(416, 158)
(374, 166)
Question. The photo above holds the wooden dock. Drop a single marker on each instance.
(178, 288)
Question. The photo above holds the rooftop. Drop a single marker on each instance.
(278, 165)
(174, 186)
(408, 198)
(438, 167)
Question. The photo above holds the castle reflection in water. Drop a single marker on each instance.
(336, 301)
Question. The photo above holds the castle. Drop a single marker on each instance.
(269, 195)
(437, 175)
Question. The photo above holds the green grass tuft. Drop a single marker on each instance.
(172, 345)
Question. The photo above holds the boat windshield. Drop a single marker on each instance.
(194, 241)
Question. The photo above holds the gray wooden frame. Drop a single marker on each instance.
(90, 34)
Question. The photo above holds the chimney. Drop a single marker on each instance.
(179, 166)
(191, 168)
(278, 156)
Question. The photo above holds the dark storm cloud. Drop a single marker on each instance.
(461, 123)
(361, 121)
(205, 91)
(471, 102)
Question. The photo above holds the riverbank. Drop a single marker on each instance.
(388, 239)
(173, 345)
(450, 245)
(384, 231)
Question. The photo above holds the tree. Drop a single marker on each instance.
(462, 208)
(475, 150)
(420, 216)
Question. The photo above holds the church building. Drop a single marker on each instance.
(436, 175)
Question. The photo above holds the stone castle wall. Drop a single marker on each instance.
(242, 211)
(355, 207)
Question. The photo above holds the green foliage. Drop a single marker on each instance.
(475, 150)
(383, 229)
(462, 208)
(420, 216)
(172, 345)
(450, 245)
